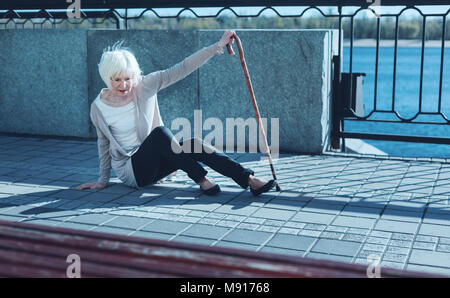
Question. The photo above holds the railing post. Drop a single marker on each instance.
(335, 105)
(336, 95)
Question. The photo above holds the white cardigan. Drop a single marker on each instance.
(111, 153)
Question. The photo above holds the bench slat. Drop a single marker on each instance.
(41, 251)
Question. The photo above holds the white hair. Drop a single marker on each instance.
(117, 60)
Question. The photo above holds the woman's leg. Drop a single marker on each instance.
(155, 157)
(218, 161)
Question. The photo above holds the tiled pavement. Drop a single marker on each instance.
(334, 207)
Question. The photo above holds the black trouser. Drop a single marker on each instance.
(160, 154)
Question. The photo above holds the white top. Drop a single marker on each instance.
(122, 123)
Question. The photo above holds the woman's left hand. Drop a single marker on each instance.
(226, 39)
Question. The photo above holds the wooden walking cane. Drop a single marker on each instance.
(255, 105)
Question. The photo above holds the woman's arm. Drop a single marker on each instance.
(105, 164)
(161, 79)
(103, 156)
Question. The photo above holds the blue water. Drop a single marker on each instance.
(407, 91)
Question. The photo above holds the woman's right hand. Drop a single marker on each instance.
(93, 185)
(227, 38)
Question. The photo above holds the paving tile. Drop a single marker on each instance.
(380, 234)
(236, 245)
(227, 223)
(92, 219)
(279, 203)
(295, 195)
(396, 226)
(391, 264)
(293, 224)
(128, 222)
(393, 214)
(355, 222)
(255, 220)
(368, 255)
(208, 221)
(332, 235)
(111, 230)
(437, 218)
(302, 243)
(309, 217)
(318, 207)
(336, 247)
(406, 205)
(393, 257)
(20, 189)
(45, 222)
(236, 210)
(205, 231)
(132, 200)
(246, 236)
(331, 257)
(283, 251)
(270, 229)
(23, 211)
(76, 226)
(377, 240)
(444, 272)
(165, 226)
(443, 240)
(374, 247)
(310, 233)
(315, 227)
(443, 248)
(101, 197)
(274, 222)
(397, 250)
(424, 245)
(360, 211)
(400, 243)
(193, 240)
(434, 230)
(248, 226)
(430, 258)
(70, 194)
(402, 236)
(56, 214)
(152, 235)
(201, 205)
(274, 214)
(358, 231)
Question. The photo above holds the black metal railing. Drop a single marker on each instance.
(396, 117)
(15, 12)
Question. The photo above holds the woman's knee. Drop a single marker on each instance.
(159, 130)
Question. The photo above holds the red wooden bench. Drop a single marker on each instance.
(29, 250)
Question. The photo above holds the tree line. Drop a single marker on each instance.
(362, 27)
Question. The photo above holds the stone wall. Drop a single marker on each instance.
(50, 78)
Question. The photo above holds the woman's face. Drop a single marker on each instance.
(121, 84)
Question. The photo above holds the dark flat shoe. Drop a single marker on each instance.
(211, 191)
(265, 188)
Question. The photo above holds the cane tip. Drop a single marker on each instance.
(278, 187)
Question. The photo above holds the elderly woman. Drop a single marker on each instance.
(132, 138)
